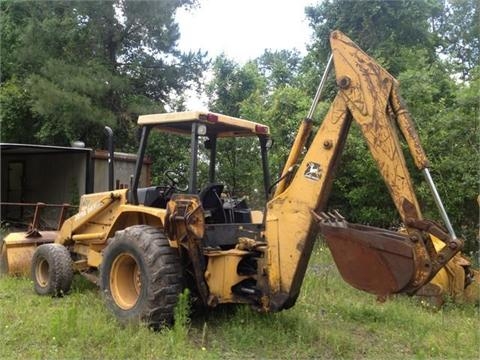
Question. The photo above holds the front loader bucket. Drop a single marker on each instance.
(371, 259)
(17, 250)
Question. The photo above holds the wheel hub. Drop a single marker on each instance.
(41, 272)
(125, 281)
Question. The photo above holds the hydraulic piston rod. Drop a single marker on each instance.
(316, 99)
(303, 132)
(438, 202)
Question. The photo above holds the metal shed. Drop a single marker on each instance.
(56, 175)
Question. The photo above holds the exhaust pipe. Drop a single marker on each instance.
(109, 133)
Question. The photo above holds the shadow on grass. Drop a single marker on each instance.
(81, 284)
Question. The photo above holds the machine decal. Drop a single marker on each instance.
(313, 171)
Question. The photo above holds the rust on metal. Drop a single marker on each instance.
(17, 251)
(34, 225)
(371, 259)
(185, 225)
(17, 248)
(385, 262)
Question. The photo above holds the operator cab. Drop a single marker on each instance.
(206, 130)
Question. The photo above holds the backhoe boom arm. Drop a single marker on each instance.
(368, 95)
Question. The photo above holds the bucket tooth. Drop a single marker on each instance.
(338, 215)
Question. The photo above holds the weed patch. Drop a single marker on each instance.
(330, 320)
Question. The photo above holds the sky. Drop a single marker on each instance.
(243, 29)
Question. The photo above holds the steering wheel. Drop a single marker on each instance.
(175, 179)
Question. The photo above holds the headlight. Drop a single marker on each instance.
(202, 130)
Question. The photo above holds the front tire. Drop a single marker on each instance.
(52, 271)
(141, 276)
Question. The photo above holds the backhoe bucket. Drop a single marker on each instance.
(17, 250)
(371, 259)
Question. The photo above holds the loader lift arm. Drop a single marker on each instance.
(376, 260)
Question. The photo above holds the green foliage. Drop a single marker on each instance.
(262, 91)
(231, 85)
(447, 117)
(381, 28)
(84, 64)
(447, 128)
(285, 109)
(459, 30)
(238, 160)
(74, 95)
(358, 190)
(167, 153)
(16, 119)
(279, 68)
(182, 316)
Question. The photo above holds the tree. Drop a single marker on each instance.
(392, 32)
(238, 162)
(381, 28)
(82, 64)
(279, 68)
(459, 30)
(449, 128)
(232, 85)
(406, 38)
(264, 90)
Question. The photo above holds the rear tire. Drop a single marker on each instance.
(52, 271)
(141, 276)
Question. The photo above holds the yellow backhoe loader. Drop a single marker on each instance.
(142, 246)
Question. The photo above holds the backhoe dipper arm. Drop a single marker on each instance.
(367, 94)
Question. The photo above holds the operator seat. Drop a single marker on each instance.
(154, 196)
(212, 203)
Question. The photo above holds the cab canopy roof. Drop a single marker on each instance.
(216, 124)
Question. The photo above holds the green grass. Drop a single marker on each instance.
(329, 321)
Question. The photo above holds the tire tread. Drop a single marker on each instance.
(165, 274)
